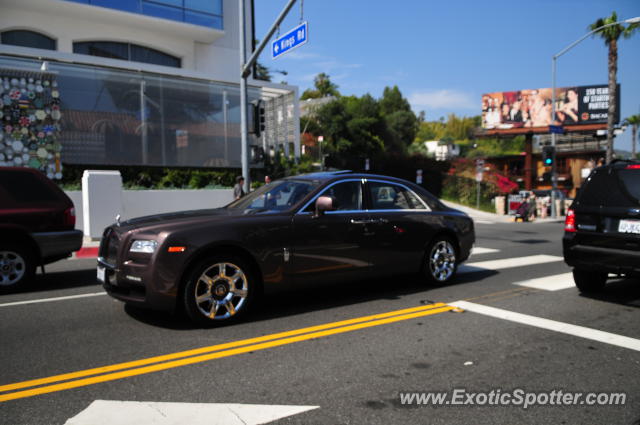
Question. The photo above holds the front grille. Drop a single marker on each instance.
(109, 246)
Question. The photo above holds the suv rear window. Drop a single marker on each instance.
(631, 180)
(606, 187)
(24, 187)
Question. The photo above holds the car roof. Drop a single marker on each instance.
(341, 174)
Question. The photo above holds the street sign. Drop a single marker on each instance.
(557, 129)
(479, 176)
(294, 38)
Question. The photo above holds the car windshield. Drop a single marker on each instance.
(277, 196)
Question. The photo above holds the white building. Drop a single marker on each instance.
(130, 82)
(442, 151)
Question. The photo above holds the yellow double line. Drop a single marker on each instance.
(154, 364)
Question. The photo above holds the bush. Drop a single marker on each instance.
(465, 191)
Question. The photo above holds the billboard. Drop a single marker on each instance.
(532, 108)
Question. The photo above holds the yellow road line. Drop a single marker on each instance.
(246, 345)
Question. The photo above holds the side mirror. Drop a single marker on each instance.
(323, 204)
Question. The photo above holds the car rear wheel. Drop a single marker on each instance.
(441, 261)
(219, 290)
(17, 267)
(589, 281)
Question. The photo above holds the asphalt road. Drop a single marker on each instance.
(350, 372)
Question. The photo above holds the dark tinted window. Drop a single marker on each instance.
(347, 196)
(23, 186)
(388, 196)
(103, 49)
(631, 180)
(28, 39)
(126, 51)
(604, 188)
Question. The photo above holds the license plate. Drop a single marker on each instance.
(629, 226)
(101, 274)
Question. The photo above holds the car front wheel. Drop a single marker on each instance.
(17, 267)
(589, 281)
(219, 290)
(441, 260)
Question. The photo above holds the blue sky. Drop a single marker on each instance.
(444, 54)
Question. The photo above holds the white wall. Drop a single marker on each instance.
(137, 203)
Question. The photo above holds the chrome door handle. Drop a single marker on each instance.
(367, 221)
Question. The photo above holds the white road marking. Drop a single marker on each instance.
(481, 250)
(113, 412)
(508, 263)
(550, 283)
(484, 221)
(47, 300)
(552, 325)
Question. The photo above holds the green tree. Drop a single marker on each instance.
(352, 126)
(633, 121)
(610, 35)
(262, 72)
(323, 88)
(401, 122)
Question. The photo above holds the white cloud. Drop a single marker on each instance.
(443, 99)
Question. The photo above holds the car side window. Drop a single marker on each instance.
(389, 196)
(347, 196)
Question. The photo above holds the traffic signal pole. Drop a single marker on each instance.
(554, 175)
(245, 70)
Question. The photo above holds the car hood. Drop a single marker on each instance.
(178, 218)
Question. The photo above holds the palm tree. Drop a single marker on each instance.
(610, 35)
(633, 121)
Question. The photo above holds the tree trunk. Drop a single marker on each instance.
(613, 70)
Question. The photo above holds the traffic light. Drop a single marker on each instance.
(258, 117)
(548, 155)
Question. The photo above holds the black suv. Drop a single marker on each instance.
(602, 227)
(37, 222)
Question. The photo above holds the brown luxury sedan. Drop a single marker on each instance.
(313, 228)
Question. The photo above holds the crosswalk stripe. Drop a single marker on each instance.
(481, 250)
(550, 283)
(552, 325)
(508, 263)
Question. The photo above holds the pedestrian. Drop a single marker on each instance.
(238, 189)
(267, 179)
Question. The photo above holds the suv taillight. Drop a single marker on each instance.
(570, 222)
(70, 217)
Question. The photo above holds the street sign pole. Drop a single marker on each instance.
(244, 140)
(245, 70)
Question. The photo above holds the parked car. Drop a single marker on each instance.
(602, 226)
(37, 225)
(308, 229)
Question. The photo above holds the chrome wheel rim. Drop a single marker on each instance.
(442, 261)
(12, 268)
(221, 291)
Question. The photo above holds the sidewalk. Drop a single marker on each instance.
(478, 215)
(89, 249)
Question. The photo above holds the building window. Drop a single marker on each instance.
(206, 13)
(126, 51)
(26, 38)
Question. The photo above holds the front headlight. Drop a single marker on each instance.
(144, 246)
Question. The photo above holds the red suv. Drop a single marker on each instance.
(37, 225)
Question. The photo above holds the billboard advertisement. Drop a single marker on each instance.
(532, 108)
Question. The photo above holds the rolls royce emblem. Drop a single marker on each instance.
(118, 220)
(220, 290)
